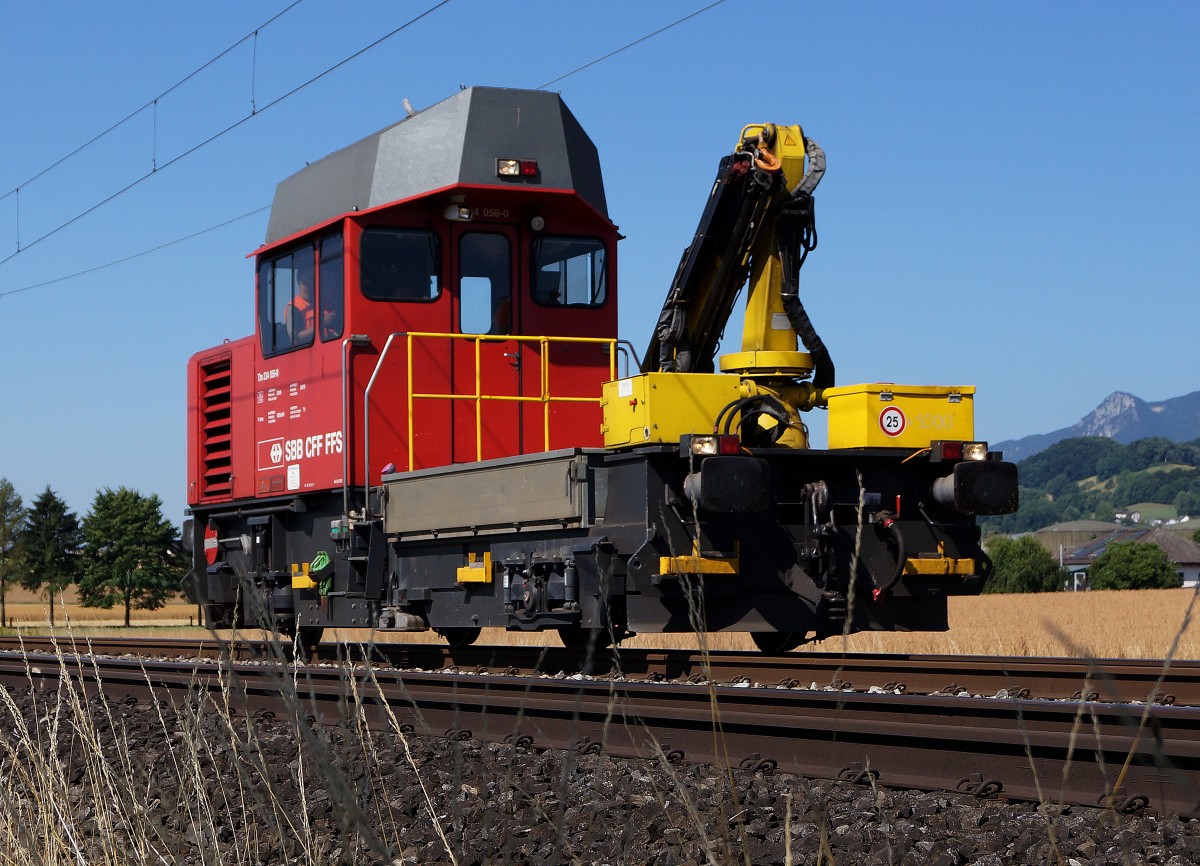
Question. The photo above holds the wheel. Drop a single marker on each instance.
(460, 637)
(305, 642)
(583, 641)
(777, 642)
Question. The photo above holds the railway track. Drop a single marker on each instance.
(1127, 756)
(1109, 680)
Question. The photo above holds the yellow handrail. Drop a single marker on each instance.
(545, 398)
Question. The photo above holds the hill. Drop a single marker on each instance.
(1098, 478)
(1123, 418)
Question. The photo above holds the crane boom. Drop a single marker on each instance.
(757, 224)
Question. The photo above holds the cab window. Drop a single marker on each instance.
(399, 265)
(485, 284)
(570, 272)
(286, 303)
(331, 288)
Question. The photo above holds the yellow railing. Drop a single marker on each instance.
(478, 397)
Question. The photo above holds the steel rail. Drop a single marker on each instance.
(1113, 680)
(1124, 756)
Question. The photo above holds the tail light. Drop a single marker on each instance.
(940, 451)
(710, 444)
(516, 168)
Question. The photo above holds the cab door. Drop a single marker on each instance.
(569, 295)
(486, 372)
(402, 291)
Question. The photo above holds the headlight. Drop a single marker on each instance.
(516, 168)
(974, 451)
(707, 444)
(940, 451)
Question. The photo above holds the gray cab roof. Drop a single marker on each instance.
(456, 141)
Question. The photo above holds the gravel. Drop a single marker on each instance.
(198, 784)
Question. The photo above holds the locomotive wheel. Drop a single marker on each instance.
(305, 641)
(460, 637)
(583, 641)
(777, 642)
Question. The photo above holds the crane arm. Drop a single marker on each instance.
(759, 211)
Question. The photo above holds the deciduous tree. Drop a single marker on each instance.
(129, 554)
(50, 541)
(1022, 565)
(1133, 565)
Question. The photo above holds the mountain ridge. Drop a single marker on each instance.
(1122, 417)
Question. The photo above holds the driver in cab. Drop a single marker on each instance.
(301, 314)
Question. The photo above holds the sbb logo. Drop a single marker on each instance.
(312, 446)
(275, 452)
(293, 450)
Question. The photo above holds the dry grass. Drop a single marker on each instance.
(1109, 624)
(228, 792)
(27, 609)
(1113, 624)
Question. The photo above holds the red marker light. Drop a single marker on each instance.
(529, 168)
(952, 450)
(728, 445)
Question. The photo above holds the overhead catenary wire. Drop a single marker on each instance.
(136, 255)
(153, 103)
(254, 112)
(628, 45)
(134, 183)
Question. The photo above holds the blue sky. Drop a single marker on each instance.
(1011, 199)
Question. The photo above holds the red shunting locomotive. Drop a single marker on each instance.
(435, 425)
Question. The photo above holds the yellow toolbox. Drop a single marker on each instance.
(662, 407)
(884, 415)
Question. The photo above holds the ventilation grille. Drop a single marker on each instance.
(216, 429)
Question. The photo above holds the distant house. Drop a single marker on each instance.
(1061, 538)
(1183, 552)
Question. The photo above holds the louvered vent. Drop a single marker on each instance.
(216, 429)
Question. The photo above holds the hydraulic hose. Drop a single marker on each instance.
(797, 237)
(893, 528)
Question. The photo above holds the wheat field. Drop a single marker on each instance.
(1110, 624)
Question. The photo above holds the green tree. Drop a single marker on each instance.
(129, 554)
(1075, 458)
(1196, 536)
(1187, 502)
(50, 540)
(1022, 565)
(1133, 565)
(12, 515)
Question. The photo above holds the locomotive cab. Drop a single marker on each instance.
(479, 338)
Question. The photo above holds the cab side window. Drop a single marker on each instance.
(399, 265)
(286, 302)
(569, 272)
(485, 284)
(332, 288)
